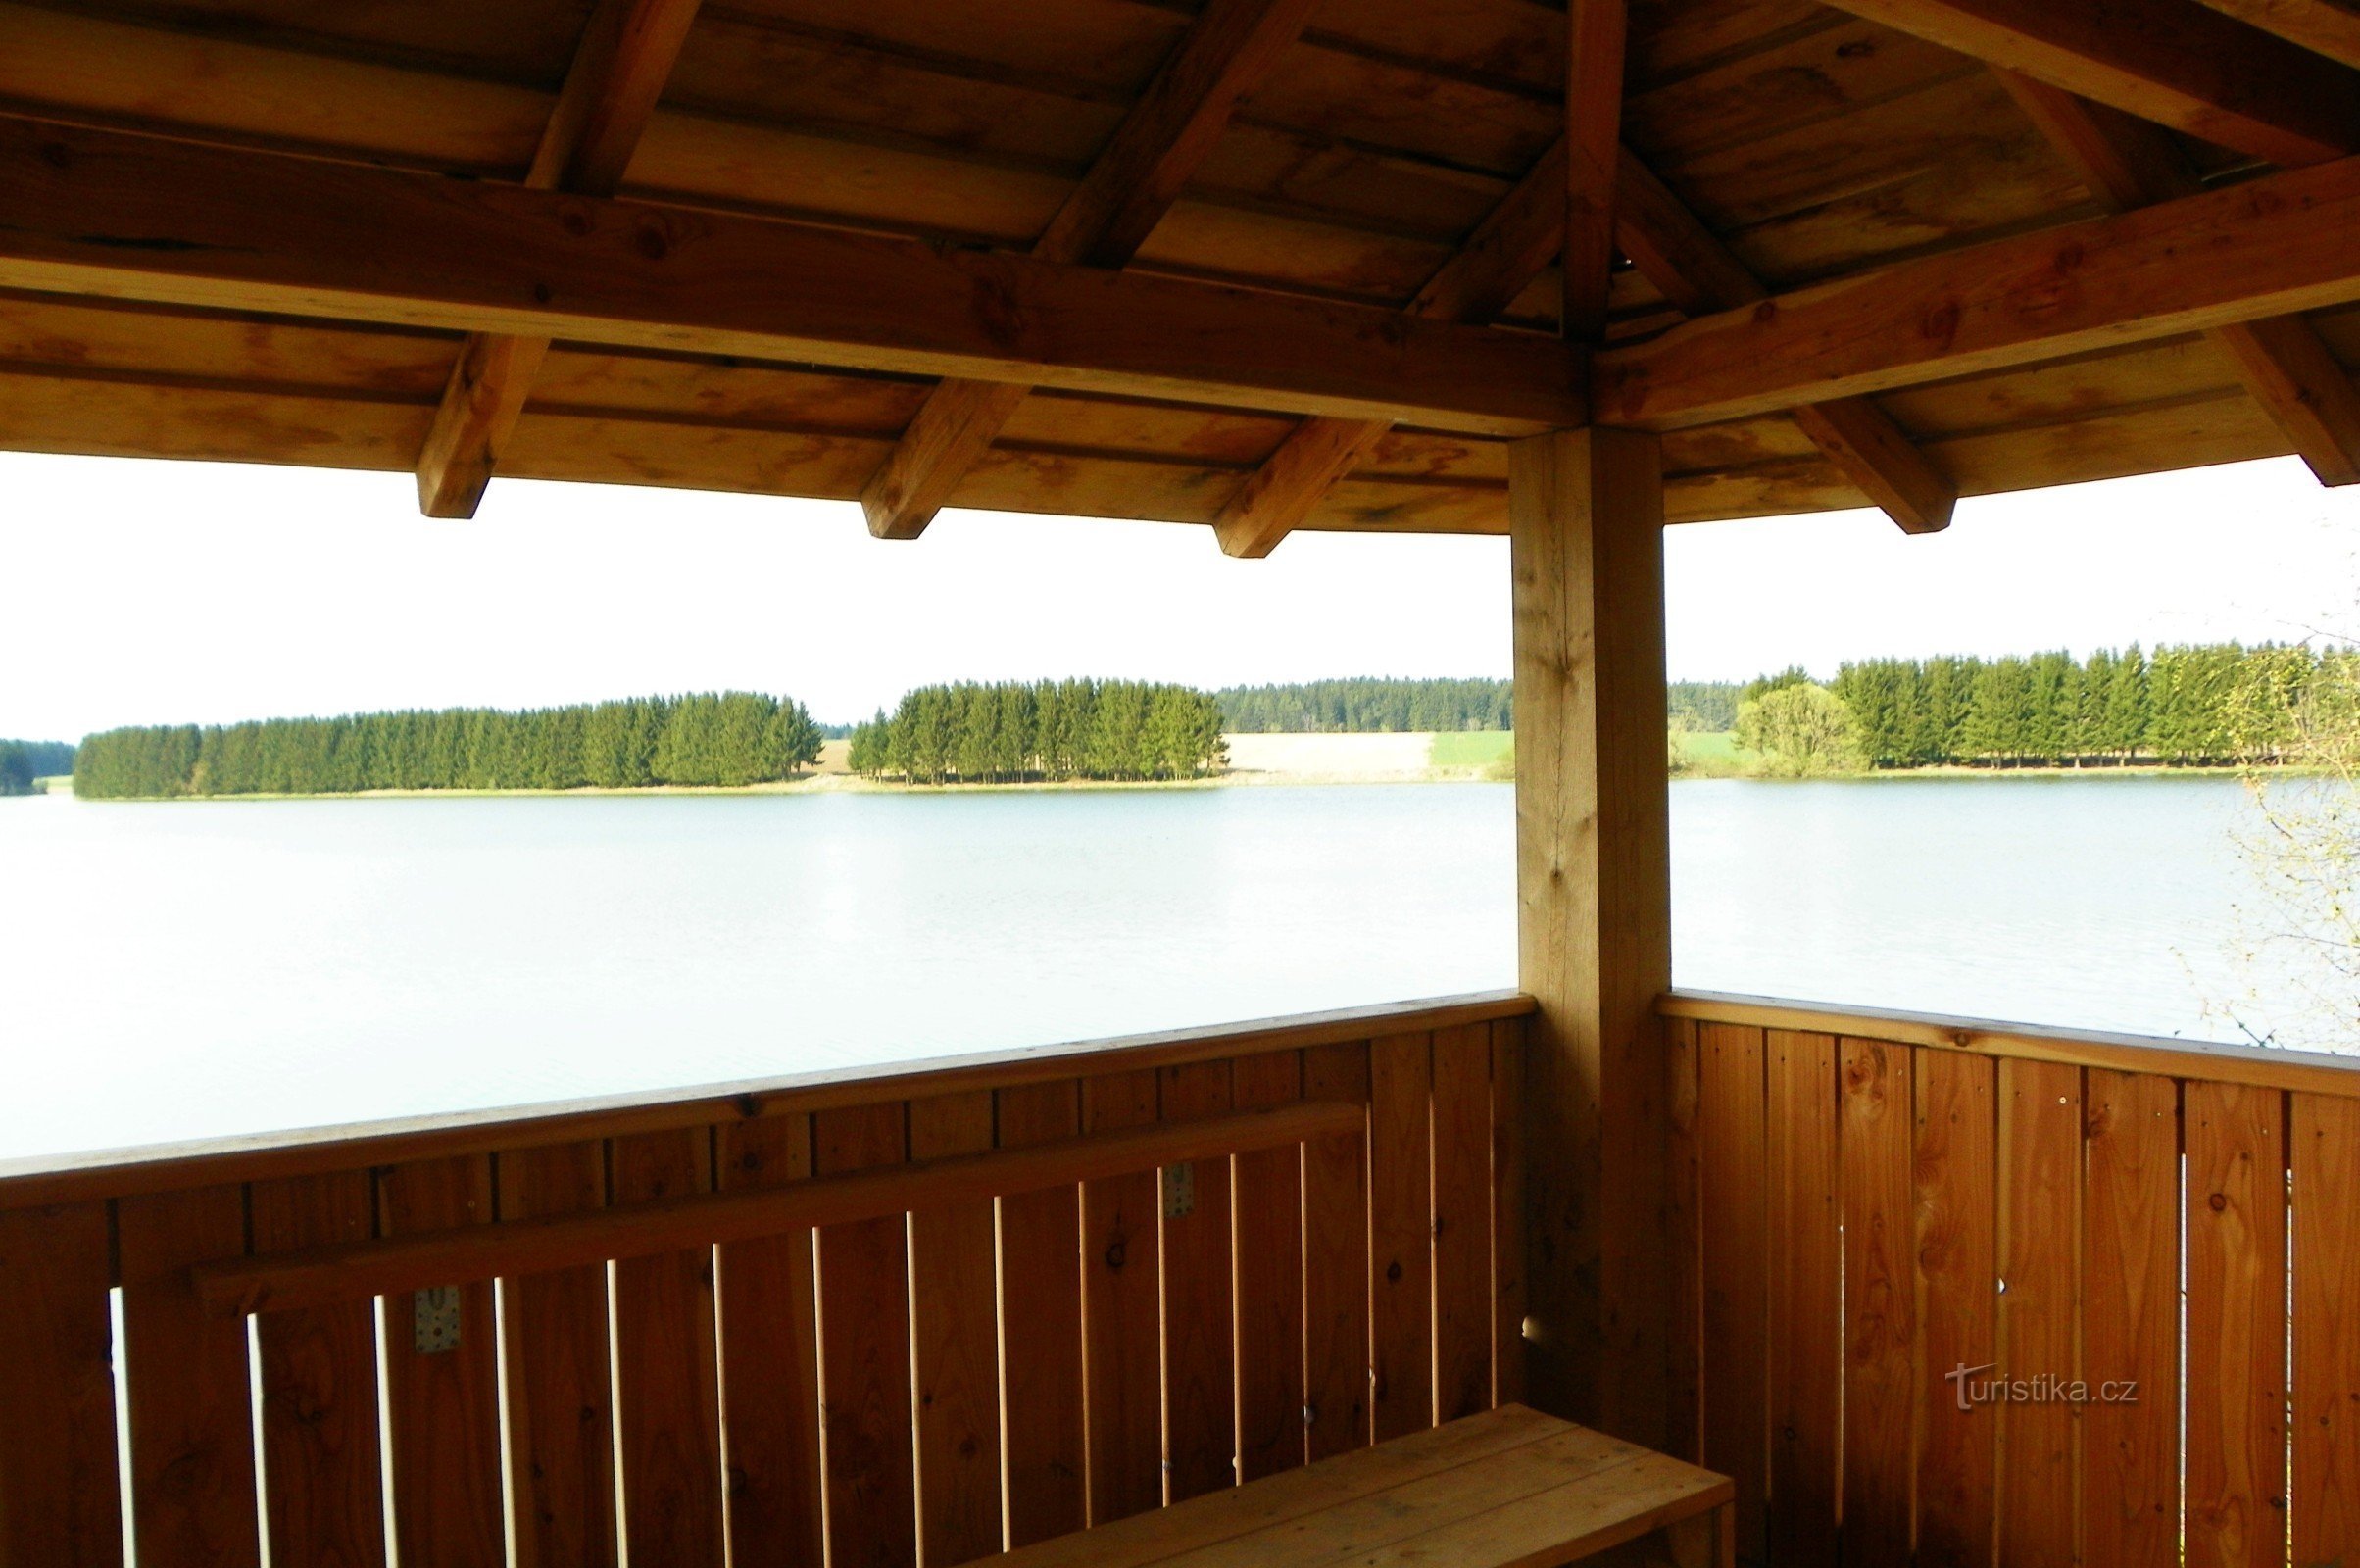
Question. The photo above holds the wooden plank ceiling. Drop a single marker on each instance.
(1261, 265)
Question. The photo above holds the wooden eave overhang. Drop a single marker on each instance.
(1256, 264)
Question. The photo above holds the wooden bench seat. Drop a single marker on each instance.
(1511, 1487)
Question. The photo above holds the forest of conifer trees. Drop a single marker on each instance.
(1373, 704)
(706, 739)
(2218, 704)
(1012, 732)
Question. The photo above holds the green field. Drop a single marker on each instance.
(1712, 753)
(1471, 747)
(1711, 747)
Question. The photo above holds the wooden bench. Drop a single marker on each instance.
(1511, 1487)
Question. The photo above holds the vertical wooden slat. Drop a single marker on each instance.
(1880, 1301)
(1199, 1367)
(59, 1488)
(2237, 1349)
(1121, 1308)
(561, 1410)
(1509, 1303)
(1335, 1260)
(322, 1476)
(1040, 1362)
(1958, 1304)
(2326, 1156)
(953, 1301)
(2039, 1308)
(193, 1501)
(444, 1407)
(667, 1392)
(865, 1352)
(1269, 1208)
(1805, 1297)
(769, 1355)
(1733, 1176)
(1461, 1227)
(1400, 1083)
(2131, 1321)
(1684, 1234)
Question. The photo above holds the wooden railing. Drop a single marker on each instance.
(1868, 1202)
(936, 1310)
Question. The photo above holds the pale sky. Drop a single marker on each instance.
(146, 592)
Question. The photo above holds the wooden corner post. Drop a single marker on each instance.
(1593, 922)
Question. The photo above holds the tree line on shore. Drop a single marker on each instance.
(1014, 732)
(23, 762)
(1388, 704)
(710, 738)
(2214, 703)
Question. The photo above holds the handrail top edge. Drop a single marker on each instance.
(175, 1166)
(2268, 1066)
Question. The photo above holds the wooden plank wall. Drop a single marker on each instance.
(926, 1389)
(1873, 1214)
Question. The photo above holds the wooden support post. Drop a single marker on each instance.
(1593, 926)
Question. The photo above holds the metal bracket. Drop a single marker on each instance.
(1179, 1191)
(434, 1319)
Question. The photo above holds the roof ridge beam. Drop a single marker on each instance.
(2282, 364)
(626, 54)
(126, 215)
(1154, 152)
(1696, 273)
(2173, 62)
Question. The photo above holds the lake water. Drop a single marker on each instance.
(188, 970)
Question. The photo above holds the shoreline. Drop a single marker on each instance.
(1280, 760)
(843, 784)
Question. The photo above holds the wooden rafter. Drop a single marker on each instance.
(2128, 164)
(618, 72)
(2173, 62)
(1153, 155)
(1598, 30)
(2324, 26)
(134, 216)
(1563, 207)
(1696, 273)
(2269, 247)
(1676, 253)
(1510, 248)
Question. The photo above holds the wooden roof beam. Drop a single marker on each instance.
(1563, 207)
(1154, 152)
(626, 56)
(1699, 275)
(1597, 31)
(2323, 26)
(145, 218)
(2269, 247)
(1514, 243)
(2173, 62)
(2285, 368)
